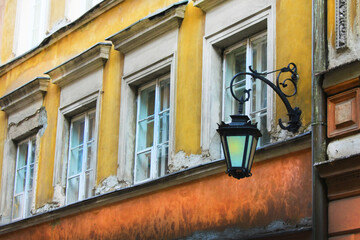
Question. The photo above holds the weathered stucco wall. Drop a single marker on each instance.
(280, 190)
(276, 187)
(189, 76)
(293, 44)
(105, 25)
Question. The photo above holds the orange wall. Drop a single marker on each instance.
(280, 189)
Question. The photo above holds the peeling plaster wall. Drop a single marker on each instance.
(181, 161)
(110, 184)
(344, 147)
(266, 202)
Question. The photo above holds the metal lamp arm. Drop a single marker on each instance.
(294, 114)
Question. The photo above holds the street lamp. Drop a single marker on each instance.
(239, 138)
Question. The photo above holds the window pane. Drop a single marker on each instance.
(145, 134)
(143, 163)
(89, 156)
(31, 177)
(20, 180)
(18, 206)
(162, 159)
(88, 184)
(91, 126)
(73, 190)
(28, 204)
(235, 62)
(77, 134)
(147, 102)
(163, 127)
(259, 54)
(22, 157)
(75, 165)
(33, 149)
(164, 94)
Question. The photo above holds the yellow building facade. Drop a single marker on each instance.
(109, 118)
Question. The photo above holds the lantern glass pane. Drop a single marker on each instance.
(253, 148)
(250, 140)
(236, 146)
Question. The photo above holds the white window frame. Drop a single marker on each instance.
(82, 174)
(128, 112)
(81, 7)
(248, 82)
(25, 193)
(28, 33)
(154, 152)
(65, 116)
(212, 84)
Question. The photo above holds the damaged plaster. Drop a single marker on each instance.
(181, 161)
(278, 134)
(344, 148)
(110, 184)
(46, 208)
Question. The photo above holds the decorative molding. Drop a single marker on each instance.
(148, 28)
(343, 113)
(24, 95)
(207, 5)
(342, 176)
(343, 86)
(341, 24)
(80, 65)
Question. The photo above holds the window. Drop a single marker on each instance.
(152, 137)
(24, 179)
(76, 8)
(238, 58)
(80, 175)
(31, 21)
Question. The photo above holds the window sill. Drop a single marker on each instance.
(297, 143)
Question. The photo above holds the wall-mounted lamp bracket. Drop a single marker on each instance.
(294, 114)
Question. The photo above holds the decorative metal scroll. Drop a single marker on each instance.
(294, 114)
(341, 23)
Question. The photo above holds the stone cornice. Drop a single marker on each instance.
(85, 62)
(24, 95)
(148, 28)
(206, 5)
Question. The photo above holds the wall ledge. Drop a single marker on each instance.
(82, 64)
(207, 5)
(148, 28)
(167, 181)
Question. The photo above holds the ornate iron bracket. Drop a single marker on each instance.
(294, 114)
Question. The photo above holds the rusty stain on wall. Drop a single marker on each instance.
(280, 188)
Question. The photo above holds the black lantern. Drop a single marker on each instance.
(239, 138)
